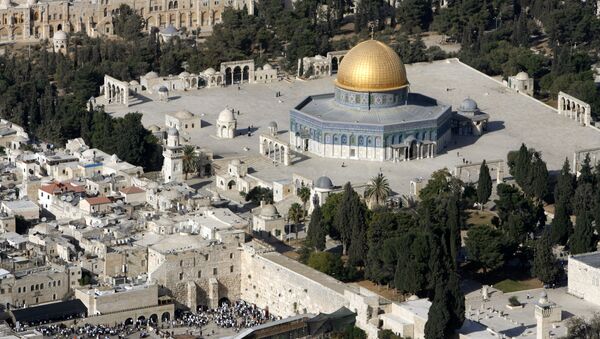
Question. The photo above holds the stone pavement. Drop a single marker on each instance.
(514, 119)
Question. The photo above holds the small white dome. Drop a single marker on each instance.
(226, 115)
(151, 75)
(153, 128)
(522, 76)
(60, 35)
(258, 69)
(273, 124)
(269, 211)
(267, 67)
(183, 114)
(236, 162)
(209, 71)
(468, 105)
(319, 57)
(133, 83)
(184, 74)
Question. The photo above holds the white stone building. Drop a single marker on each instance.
(584, 276)
(521, 83)
(172, 170)
(226, 124)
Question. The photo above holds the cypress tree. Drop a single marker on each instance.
(545, 265)
(357, 249)
(582, 240)
(316, 230)
(453, 226)
(585, 172)
(565, 187)
(562, 227)
(342, 217)
(484, 184)
(438, 317)
(539, 177)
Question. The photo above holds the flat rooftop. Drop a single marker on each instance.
(514, 119)
(590, 259)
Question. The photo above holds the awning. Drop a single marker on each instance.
(51, 312)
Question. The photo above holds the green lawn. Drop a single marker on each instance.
(509, 285)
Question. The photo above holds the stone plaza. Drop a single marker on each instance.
(515, 118)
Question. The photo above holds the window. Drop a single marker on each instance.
(181, 276)
(215, 271)
(230, 255)
(230, 269)
(199, 274)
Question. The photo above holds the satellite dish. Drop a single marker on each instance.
(44, 219)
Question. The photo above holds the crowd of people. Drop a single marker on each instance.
(89, 331)
(236, 316)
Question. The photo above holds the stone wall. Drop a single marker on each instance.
(285, 291)
(584, 278)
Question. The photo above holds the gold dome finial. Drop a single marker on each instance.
(371, 66)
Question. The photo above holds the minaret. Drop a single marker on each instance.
(546, 313)
(173, 157)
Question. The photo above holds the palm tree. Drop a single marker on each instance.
(295, 215)
(190, 160)
(377, 190)
(304, 194)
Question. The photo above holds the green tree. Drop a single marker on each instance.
(378, 189)
(411, 252)
(562, 227)
(583, 198)
(190, 160)
(127, 23)
(545, 265)
(583, 239)
(295, 214)
(539, 177)
(415, 15)
(258, 194)
(581, 328)
(316, 230)
(304, 195)
(343, 218)
(565, 187)
(585, 172)
(484, 185)
(486, 247)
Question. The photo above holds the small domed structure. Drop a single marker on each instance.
(168, 32)
(59, 41)
(151, 75)
(184, 74)
(267, 67)
(324, 183)
(163, 93)
(273, 128)
(183, 114)
(468, 105)
(226, 124)
(209, 71)
(269, 211)
(134, 83)
(235, 162)
(522, 76)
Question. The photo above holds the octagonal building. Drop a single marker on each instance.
(371, 115)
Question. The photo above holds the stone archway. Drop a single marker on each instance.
(228, 76)
(166, 316)
(153, 319)
(237, 75)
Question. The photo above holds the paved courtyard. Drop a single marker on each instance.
(514, 119)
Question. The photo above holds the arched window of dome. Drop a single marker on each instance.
(378, 141)
(344, 139)
(336, 139)
(327, 138)
(369, 141)
(361, 141)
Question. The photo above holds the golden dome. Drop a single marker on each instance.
(371, 66)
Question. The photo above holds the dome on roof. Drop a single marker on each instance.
(269, 211)
(522, 76)
(468, 105)
(173, 131)
(134, 83)
(543, 298)
(371, 66)
(413, 297)
(258, 69)
(267, 67)
(31, 2)
(151, 75)
(60, 35)
(226, 115)
(184, 74)
(4, 3)
(209, 71)
(236, 162)
(183, 114)
(163, 89)
(153, 128)
(324, 183)
(319, 57)
(273, 124)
